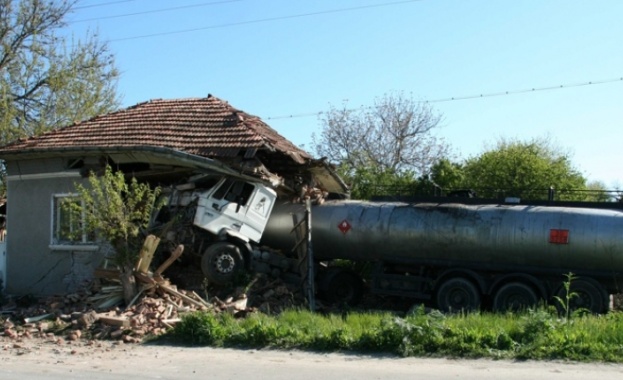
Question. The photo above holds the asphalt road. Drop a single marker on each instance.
(139, 362)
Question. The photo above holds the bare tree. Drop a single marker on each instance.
(394, 134)
(47, 80)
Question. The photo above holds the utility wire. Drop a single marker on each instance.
(154, 10)
(479, 96)
(534, 89)
(264, 20)
(102, 4)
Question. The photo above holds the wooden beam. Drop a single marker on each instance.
(147, 253)
(183, 296)
(174, 256)
(114, 321)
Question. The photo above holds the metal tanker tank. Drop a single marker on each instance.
(487, 236)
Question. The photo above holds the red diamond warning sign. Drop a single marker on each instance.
(344, 226)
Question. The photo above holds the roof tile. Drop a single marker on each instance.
(208, 127)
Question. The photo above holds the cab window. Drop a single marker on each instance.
(234, 191)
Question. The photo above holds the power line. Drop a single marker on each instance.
(534, 89)
(479, 96)
(264, 20)
(102, 4)
(153, 11)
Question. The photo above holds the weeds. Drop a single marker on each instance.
(565, 301)
(534, 334)
(537, 334)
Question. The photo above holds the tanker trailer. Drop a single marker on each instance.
(463, 256)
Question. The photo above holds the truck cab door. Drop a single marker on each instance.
(258, 210)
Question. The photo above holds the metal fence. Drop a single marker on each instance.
(549, 194)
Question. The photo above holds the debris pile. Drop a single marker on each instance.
(158, 309)
(96, 313)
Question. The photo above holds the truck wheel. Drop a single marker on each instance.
(221, 262)
(588, 297)
(458, 294)
(342, 287)
(514, 296)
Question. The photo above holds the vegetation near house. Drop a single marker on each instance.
(389, 144)
(118, 211)
(390, 148)
(48, 80)
(516, 167)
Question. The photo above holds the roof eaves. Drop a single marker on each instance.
(179, 156)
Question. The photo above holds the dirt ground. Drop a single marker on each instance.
(54, 347)
(54, 359)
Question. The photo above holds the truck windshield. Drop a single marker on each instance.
(234, 191)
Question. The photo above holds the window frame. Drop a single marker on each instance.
(85, 243)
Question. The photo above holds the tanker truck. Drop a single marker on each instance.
(451, 253)
(462, 256)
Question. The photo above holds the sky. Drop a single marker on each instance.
(496, 69)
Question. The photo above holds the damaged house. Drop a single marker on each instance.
(163, 142)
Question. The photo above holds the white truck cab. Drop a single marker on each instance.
(237, 207)
(232, 211)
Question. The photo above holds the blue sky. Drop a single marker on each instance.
(276, 58)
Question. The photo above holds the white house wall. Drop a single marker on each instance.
(32, 267)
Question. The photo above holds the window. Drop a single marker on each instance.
(234, 191)
(67, 225)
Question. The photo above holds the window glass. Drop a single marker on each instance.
(68, 224)
(234, 191)
(220, 193)
(245, 193)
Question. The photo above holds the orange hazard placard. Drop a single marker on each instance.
(559, 236)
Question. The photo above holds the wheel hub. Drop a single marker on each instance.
(224, 263)
(458, 298)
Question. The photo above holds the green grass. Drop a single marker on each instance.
(537, 335)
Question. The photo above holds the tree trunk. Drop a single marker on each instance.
(128, 282)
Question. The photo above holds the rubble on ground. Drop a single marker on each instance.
(98, 311)
(157, 309)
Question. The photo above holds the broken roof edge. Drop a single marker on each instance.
(273, 140)
(330, 180)
(190, 160)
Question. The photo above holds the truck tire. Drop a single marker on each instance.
(589, 296)
(514, 296)
(221, 263)
(458, 294)
(342, 287)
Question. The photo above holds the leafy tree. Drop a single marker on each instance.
(447, 175)
(46, 79)
(395, 135)
(118, 212)
(516, 168)
(368, 181)
(596, 191)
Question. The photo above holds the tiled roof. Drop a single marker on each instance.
(207, 127)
